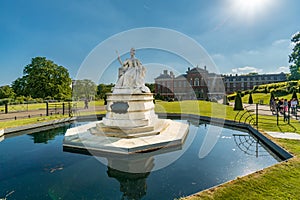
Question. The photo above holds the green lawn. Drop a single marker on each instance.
(21, 122)
(42, 106)
(280, 181)
(264, 97)
(210, 109)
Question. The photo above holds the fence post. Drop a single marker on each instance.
(63, 108)
(6, 108)
(47, 109)
(289, 115)
(277, 109)
(257, 116)
(70, 109)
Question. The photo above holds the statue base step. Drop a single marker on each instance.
(81, 138)
(102, 130)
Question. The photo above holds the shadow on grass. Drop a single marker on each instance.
(284, 125)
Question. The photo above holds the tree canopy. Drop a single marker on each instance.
(84, 89)
(43, 78)
(6, 92)
(102, 89)
(294, 58)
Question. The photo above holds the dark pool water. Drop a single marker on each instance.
(34, 166)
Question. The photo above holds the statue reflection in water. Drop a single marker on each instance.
(132, 185)
(131, 171)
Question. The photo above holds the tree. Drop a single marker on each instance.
(294, 95)
(252, 74)
(6, 92)
(151, 87)
(294, 58)
(238, 104)
(250, 100)
(20, 86)
(43, 78)
(102, 89)
(84, 89)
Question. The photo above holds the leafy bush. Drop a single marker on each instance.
(39, 100)
(247, 92)
(5, 101)
(231, 97)
(259, 90)
(20, 100)
(280, 92)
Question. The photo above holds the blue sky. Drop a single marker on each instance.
(238, 35)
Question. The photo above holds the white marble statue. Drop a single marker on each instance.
(131, 76)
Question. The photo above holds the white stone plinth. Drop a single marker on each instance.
(173, 134)
(130, 126)
(129, 110)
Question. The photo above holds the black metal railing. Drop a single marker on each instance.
(27, 110)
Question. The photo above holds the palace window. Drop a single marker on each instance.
(196, 82)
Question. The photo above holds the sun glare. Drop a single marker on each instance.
(250, 10)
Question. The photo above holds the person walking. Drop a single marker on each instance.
(285, 110)
(86, 104)
(294, 104)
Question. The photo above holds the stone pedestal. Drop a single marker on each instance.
(127, 111)
(130, 126)
(129, 116)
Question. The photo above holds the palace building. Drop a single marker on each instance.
(236, 82)
(198, 83)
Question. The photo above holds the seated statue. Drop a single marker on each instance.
(131, 76)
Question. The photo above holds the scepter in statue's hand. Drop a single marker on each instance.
(119, 59)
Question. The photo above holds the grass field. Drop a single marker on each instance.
(280, 181)
(257, 97)
(42, 106)
(210, 109)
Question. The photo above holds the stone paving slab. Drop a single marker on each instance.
(284, 135)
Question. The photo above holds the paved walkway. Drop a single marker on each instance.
(265, 110)
(35, 113)
(287, 135)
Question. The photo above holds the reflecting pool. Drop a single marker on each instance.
(34, 166)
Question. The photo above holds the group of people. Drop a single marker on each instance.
(283, 105)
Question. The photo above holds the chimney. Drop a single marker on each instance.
(171, 74)
(165, 72)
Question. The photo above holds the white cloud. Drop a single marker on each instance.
(265, 59)
(280, 42)
(246, 70)
(284, 69)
